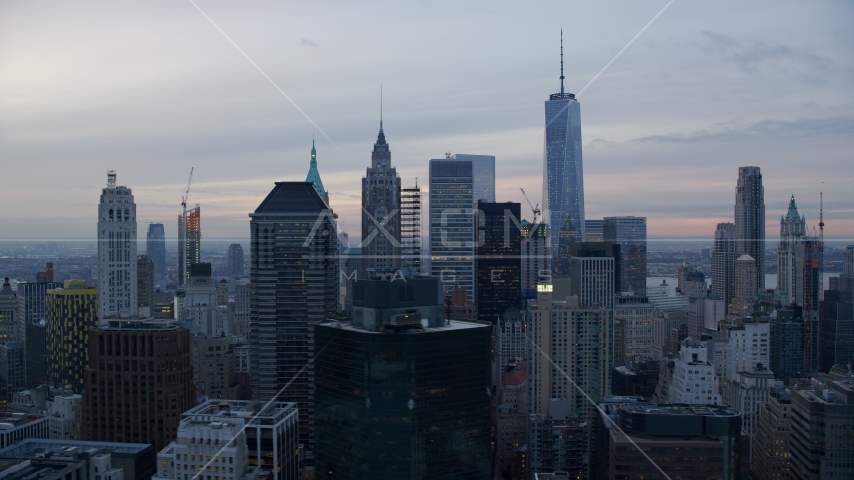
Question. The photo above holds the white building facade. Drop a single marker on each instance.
(117, 292)
(694, 379)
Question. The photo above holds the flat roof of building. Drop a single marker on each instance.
(450, 325)
(679, 409)
(247, 409)
(34, 447)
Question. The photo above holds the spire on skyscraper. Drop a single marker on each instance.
(561, 62)
(562, 92)
(314, 175)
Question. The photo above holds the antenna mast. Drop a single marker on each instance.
(561, 62)
(821, 219)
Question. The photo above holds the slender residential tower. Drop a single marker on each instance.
(750, 219)
(117, 294)
(723, 263)
(381, 213)
(563, 182)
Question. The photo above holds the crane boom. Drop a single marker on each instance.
(187, 193)
(534, 210)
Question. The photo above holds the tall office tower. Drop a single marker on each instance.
(117, 293)
(848, 260)
(792, 231)
(770, 446)
(410, 228)
(563, 177)
(145, 284)
(745, 293)
(248, 440)
(630, 233)
(139, 380)
(681, 438)
(314, 175)
(694, 379)
(513, 340)
(456, 184)
(723, 262)
(155, 248)
(31, 306)
(822, 421)
(234, 260)
(809, 292)
(749, 393)
(634, 314)
(836, 330)
(47, 275)
(380, 211)
(536, 258)
(576, 339)
(71, 312)
(200, 300)
(222, 292)
(594, 230)
(242, 309)
(787, 344)
(595, 273)
(558, 442)
(426, 412)
(704, 310)
(12, 371)
(497, 264)
(750, 220)
(294, 284)
(8, 309)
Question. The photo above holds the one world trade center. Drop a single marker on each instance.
(563, 182)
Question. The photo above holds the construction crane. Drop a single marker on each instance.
(535, 210)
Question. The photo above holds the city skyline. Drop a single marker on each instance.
(153, 92)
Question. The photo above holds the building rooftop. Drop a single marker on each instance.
(680, 409)
(254, 411)
(449, 325)
(44, 448)
(291, 197)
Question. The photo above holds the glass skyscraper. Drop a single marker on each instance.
(563, 182)
(155, 248)
(456, 184)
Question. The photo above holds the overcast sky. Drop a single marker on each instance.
(153, 88)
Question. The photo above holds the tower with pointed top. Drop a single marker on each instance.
(314, 175)
(381, 216)
(563, 181)
(792, 231)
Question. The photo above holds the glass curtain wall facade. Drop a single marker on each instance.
(155, 248)
(630, 233)
(563, 185)
(498, 267)
(293, 285)
(403, 405)
(452, 224)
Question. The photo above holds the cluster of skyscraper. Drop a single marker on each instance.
(516, 349)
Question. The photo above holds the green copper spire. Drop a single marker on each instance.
(793, 210)
(314, 176)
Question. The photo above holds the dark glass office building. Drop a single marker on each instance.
(498, 262)
(786, 356)
(630, 233)
(293, 284)
(836, 329)
(400, 391)
(155, 248)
